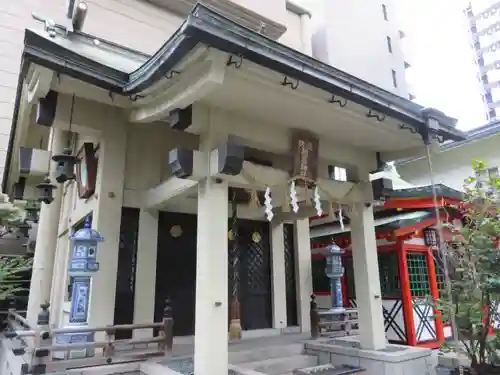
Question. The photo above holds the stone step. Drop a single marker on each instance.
(265, 352)
(281, 365)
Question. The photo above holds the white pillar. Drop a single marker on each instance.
(303, 272)
(46, 243)
(366, 278)
(59, 280)
(278, 275)
(211, 311)
(145, 274)
(211, 316)
(106, 219)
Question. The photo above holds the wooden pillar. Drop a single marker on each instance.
(411, 335)
(434, 289)
(345, 290)
(235, 324)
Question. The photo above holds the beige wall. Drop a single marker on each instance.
(132, 23)
(452, 167)
(353, 38)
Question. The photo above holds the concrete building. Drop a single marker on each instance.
(453, 164)
(376, 56)
(483, 19)
(227, 111)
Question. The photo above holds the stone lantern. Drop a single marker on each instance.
(84, 249)
(44, 191)
(65, 169)
(334, 271)
(32, 213)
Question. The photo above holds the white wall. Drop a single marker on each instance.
(453, 166)
(353, 38)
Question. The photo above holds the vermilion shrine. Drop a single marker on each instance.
(409, 263)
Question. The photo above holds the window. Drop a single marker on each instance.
(394, 79)
(337, 173)
(384, 11)
(389, 44)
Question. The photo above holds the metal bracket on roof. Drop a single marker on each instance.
(439, 138)
(50, 26)
(340, 101)
(377, 116)
(136, 97)
(292, 85)
(171, 74)
(237, 62)
(411, 129)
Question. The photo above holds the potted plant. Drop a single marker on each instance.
(473, 259)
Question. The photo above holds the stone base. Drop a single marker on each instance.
(393, 360)
(330, 370)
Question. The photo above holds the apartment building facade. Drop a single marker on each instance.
(483, 19)
(139, 25)
(377, 56)
(453, 164)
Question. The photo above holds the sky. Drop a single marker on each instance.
(443, 75)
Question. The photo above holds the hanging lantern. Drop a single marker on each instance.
(23, 229)
(32, 214)
(30, 246)
(65, 169)
(44, 191)
(431, 237)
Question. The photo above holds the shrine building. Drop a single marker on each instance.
(198, 168)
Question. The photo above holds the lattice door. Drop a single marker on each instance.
(255, 275)
(125, 277)
(419, 274)
(423, 313)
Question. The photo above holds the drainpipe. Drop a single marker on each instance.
(433, 124)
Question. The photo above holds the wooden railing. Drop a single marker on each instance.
(38, 344)
(326, 322)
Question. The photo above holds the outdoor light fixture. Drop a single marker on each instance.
(30, 246)
(23, 229)
(84, 249)
(32, 214)
(45, 191)
(431, 237)
(65, 169)
(334, 271)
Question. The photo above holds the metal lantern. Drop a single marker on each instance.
(431, 237)
(84, 249)
(29, 246)
(23, 229)
(65, 169)
(32, 214)
(334, 271)
(44, 191)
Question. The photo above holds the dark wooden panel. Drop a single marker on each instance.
(127, 262)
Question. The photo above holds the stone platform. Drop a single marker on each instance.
(392, 360)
